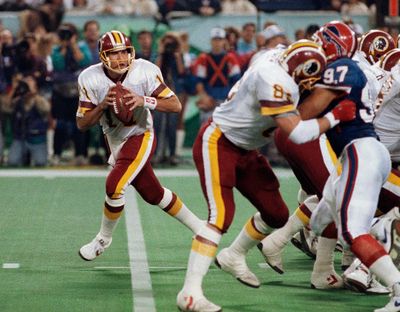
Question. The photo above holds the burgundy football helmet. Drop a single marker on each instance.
(390, 59)
(337, 39)
(304, 61)
(374, 44)
(113, 41)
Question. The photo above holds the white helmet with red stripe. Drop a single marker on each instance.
(114, 41)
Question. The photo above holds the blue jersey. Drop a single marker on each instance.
(345, 75)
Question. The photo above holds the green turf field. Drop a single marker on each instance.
(46, 217)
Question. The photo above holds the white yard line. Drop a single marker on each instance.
(142, 291)
(150, 268)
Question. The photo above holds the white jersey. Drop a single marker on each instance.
(143, 78)
(267, 54)
(265, 90)
(376, 76)
(387, 120)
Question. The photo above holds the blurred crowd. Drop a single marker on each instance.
(39, 67)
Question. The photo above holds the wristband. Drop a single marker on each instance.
(331, 118)
(150, 102)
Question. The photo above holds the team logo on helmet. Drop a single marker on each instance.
(304, 61)
(337, 39)
(374, 44)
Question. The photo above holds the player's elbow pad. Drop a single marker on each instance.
(305, 131)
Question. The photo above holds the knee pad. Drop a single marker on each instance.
(116, 202)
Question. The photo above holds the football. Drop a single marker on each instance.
(121, 110)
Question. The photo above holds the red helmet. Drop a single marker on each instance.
(374, 44)
(337, 39)
(304, 61)
(113, 41)
(390, 59)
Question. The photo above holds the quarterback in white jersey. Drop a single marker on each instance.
(131, 144)
(144, 78)
(226, 156)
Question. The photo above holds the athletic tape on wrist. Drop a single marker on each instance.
(331, 118)
(150, 102)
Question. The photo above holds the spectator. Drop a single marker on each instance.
(310, 31)
(145, 49)
(216, 71)
(7, 55)
(232, 38)
(238, 7)
(69, 58)
(205, 7)
(119, 7)
(274, 35)
(114, 7)
(299, 34)
(14, 5)
(354, 7)
(246, 42)
(29, 121)
(170, 60)
(145, 7)
(91, 35)
(334, 5)
(167, 6)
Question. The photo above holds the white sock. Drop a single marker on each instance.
(110, 219)
(107, 227)
(251, 234)
(180, 212)
(325, 255)
(204, 248)
(385, 270)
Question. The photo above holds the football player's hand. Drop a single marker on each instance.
(345, 110)
(109, 99)
(133, 100)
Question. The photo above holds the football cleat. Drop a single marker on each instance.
(186, 302)
(306, 241)
(235, 264)
(272, 255)
(326, 280)
(357, 277)
(94, 249)
(394, 303)
(360, 279)
(377, 288)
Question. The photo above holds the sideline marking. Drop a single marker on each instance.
(142, 291)
(11, 266)
(93, 173)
